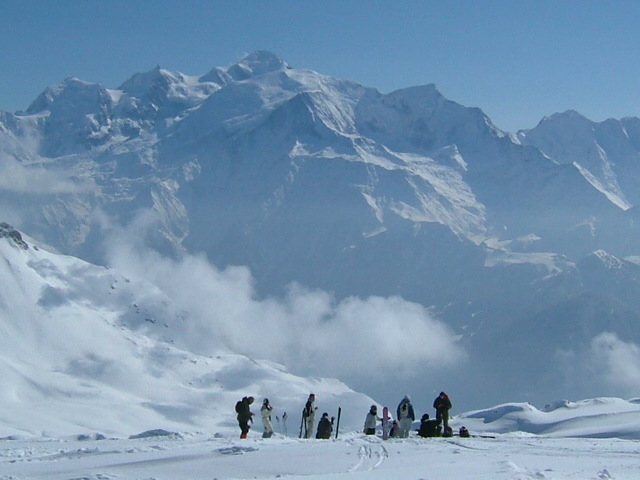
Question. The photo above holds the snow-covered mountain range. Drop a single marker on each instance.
(523, 246)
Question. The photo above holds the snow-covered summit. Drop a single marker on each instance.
(424, 120)
(71, 96)
(162, 93)
(606, 153)
(256, 63)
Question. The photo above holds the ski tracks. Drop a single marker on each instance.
(370, 457)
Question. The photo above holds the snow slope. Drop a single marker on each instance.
(497, 456)
(85, 349)
(594, 418)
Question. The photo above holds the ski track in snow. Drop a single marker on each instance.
(370, 456)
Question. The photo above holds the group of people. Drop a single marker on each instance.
(325, 425)
(405, 416)
(440, 425)
(400, 427)
(245, 417)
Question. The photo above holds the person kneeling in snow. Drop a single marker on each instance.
(395, 430)
(429, 428)
(325, 427)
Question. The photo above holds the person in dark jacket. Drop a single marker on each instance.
(244, 415)
(325, 427)
(428, 427)
(442, 404)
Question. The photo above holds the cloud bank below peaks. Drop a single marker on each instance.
(309, 331)
(616, 362)
(34, 179)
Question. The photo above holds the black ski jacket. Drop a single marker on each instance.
(244, 412)
(442, 404)
(429, 428)
(324, 428)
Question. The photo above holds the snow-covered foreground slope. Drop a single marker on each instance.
(502, 447)
(354, 456)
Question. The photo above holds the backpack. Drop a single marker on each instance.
(464, 432)
(404, 410)
(239, 406)
(447, 432)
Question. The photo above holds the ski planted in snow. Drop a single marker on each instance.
(338, 421)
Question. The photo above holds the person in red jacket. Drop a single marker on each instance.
(442, 404)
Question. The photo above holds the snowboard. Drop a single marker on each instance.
(385, 423)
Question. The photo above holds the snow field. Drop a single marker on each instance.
(200, 456)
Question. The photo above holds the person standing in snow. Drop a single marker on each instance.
(265, 411)
(406, 416)
(309, 415)
(244, 415)
(325, 427)
(371, 421)
(442, 404)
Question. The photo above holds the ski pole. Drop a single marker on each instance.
(284, 424)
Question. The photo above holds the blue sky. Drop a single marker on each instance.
(518, 60)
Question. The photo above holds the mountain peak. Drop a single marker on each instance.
(69, 87)
(428, 93)
(259, 62)
(139, 83)
(568, 117)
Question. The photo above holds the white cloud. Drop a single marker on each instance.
(617, 362)
(307, 330)
(17, 177)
